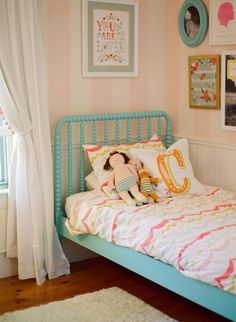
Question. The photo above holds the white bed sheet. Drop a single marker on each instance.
(195, 234)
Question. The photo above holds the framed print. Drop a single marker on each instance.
(228, 90)
(110, 38)
(222, 27)
(193, 22)
(204, 82)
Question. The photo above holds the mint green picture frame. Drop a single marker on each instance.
(95, 59)
(202, 25)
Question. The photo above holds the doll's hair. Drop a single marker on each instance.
(107, 165)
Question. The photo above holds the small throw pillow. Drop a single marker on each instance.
(99, 154)
(173, 168)
(91, 182)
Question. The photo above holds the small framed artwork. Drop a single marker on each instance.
(222, 26)
(228, 90)
(193, 22)
(204, 82)
(110, 38)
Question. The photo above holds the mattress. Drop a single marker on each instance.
(194, 233)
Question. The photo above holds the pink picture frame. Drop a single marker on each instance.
(222, 22)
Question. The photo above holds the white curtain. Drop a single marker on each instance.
(31, 235)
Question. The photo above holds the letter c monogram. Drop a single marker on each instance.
(167, 175)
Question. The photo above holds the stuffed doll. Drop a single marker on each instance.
(145, 182)
(137, 165)
(146, 187)
(123, 178)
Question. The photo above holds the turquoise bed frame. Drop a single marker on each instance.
(136, 124)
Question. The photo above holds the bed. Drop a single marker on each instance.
(70, 169)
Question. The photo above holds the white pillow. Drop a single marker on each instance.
(173, 168)
(92, 183)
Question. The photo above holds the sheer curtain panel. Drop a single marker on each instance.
(31, 235)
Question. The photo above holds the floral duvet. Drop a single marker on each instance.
(195, 234)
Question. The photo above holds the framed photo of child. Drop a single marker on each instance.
(193, 22)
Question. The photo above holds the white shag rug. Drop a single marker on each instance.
(108, 305)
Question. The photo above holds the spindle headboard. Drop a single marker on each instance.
(104, 129)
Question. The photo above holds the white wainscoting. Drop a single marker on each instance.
(213, 163)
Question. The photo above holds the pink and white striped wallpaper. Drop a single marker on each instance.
(162, 83)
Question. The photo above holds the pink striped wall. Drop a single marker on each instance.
(163, 71)
(58, 58)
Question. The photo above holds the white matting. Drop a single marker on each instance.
(108, 305)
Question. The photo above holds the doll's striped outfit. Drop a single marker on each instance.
(125, 184)
(146, 186)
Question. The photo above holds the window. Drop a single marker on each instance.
(5, 150)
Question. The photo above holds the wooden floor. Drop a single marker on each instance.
(95, 274)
